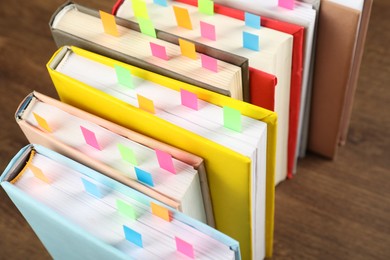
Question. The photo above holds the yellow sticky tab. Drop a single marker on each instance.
(160, 211)
(109, 23)
(140, 9)
(187, 49)
(38, 173)
(182, 17)
(42, 122)
(146, 104)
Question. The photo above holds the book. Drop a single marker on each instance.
(230, 79)
(121, 154)
(273, 56)
(239, 165)
(79, 213)
(336, 70)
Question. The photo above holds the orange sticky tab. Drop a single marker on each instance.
(187, 49)
(182, 17)
(160, 211)
(146, 104)
(42, 122)
(38, 173)
(109, 23)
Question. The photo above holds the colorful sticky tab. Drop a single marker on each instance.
(206, 7)
(232, 119)
(160, 211)
(38, 173)
(145, 104)
(288, 4)
(250, 41)
(124, 76)
(165, 161)
(127, 154)
(92, 188)
(187, 49)
(90, 138)
(144, 176)
(207, 31)
(147, 27)
(133, 236)
(184, 247)
(125, 209)
(182, 17)
(109, 23)
(42, 122)
(139, 8)
(161, 2)
(209, 63)
(252, 20)
(189, 99)
(158, 51)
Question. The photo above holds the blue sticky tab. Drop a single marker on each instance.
(252, 20)
(133, 236)
(92, 188)
(250, 41)
(144, 176)
(161, 2)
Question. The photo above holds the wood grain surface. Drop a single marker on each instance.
(331, 210)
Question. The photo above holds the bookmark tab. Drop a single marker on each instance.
(144, 176)
(127, 154)
(145, 104)
(165, 161)
(125, 209)
(252, 20)
(38, 173)
(206, 7)
(124, 76)
(288, 4)
(184, 247)
(232, 119)
(250, 41)
(187, 49)
(189, 99)
(139, 8)
(161, 2)
(209, 62)
(160, 211)
(182, 17)
(207, 31)
(92, 188)
(109, 23)
(158, 51)
(90, 138)
(42, 122)
(147, 27)
(133, 236)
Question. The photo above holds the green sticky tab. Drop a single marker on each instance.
(124, 76)
(232, 119)
(139, 8)
(147, 27)
(127, 154)
(206, 7)
(125, 209)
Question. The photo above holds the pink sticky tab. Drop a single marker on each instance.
(184, 247)
(288, 4)
(189, 99)
(209, 63)
(158, 51)
(90, 138)
(165, 161)
(207, 31)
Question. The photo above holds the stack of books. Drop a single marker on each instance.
(176, 121)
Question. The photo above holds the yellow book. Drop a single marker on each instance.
(229, 172)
